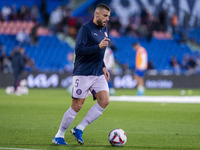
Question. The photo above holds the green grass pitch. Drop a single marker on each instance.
(31, 121)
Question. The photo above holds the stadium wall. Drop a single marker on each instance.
(56, 80)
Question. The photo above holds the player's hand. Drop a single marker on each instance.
(106, 73)
(104, 43)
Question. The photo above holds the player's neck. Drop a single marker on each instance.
(95, 22)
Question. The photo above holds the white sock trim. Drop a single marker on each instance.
(60, 133)
(73, 111)
(99, 107)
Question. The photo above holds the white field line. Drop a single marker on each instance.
(157, 99)
(5, 148)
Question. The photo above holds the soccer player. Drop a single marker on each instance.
(140, 67)
(18, 64)
(89, 74)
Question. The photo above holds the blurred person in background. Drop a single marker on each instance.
(151, 65)
(24, 13)
(22, 37)
(175, 65)
(70, 65)
(2, 49)
(30, 65)
(189, 64)
(13, 15)
(109, 61)
(141, 64)
(5, 60)
(44, 13)
(34, 13)
(6, 12)
(185, 63)
(55, 20)
(197, 69)
(192, 64)
(33, 35)
(5, 63)
(18, 64)
(174, 23)
(163, 15)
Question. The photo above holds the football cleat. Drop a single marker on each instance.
(78, 135)
(140, 93)
(59, 141)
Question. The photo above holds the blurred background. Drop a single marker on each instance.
(47, 30)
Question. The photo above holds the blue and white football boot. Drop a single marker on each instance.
(59, 141)
(78, 135)
(140, 93)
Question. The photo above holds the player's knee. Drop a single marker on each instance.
(104, 103)
(103, 98)
(77, 104)
(77, 107)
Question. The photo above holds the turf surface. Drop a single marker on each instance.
(31, 121)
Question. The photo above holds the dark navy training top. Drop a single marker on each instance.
(89, 57)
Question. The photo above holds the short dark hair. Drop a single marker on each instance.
(103, 6)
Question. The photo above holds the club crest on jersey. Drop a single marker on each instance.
(79, 91)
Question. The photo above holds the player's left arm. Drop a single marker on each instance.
(106, 73)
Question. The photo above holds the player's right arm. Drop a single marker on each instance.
(104, 43)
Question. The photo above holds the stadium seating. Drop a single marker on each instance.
(194, 34)
(50, 4)
(159, 51)
(14, 27)
(50, 53)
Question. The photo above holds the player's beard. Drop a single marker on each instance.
(100, 23)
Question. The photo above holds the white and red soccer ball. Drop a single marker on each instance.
(117, 137)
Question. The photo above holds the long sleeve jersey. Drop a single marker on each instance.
(89, 57)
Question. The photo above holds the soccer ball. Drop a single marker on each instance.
(10, 90)
(117, 137)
